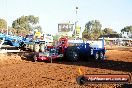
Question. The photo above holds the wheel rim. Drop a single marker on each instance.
(74, 55)
(97, 56)
(101, 55)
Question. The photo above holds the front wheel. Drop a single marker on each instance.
(34, 58)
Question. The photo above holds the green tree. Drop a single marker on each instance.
(3, 25)
(92, 29)
(127, 29)
(26, 24)
(107, 31)
(39, 28)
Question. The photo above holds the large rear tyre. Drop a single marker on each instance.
(42, 47)
(36, 47)
(72, 54)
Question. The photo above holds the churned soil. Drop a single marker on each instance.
(18, 71)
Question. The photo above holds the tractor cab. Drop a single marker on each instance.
(63, 43)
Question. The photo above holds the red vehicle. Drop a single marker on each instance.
(47, 55)
(52, 52)
(72, 52)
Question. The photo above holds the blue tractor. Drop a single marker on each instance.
(11, 40)
(74, 51)
(35, 45)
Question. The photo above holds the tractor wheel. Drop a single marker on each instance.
(34, 58)
(36, 47)
(81, 80)
(31, 48)
(101, 56)
(72, 54)
(42, 47)
(96, 57)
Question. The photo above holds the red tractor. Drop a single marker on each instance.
(72, 51)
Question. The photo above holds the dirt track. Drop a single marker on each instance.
(17, 72)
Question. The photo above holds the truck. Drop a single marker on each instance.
(71, 50)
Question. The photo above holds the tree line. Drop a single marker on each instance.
(93, 30)
(22, 25)
(28, 24)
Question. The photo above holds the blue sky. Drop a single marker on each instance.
(115, 14)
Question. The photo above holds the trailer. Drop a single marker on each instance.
(71, 50)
